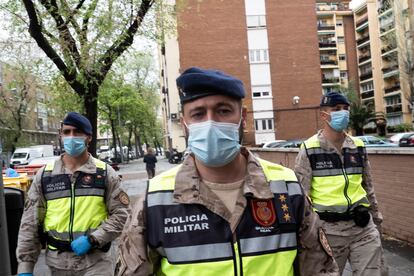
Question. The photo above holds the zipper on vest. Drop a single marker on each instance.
(72, 209)
(238, 269)
(346, 184)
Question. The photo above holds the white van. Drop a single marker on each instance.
(22, 156)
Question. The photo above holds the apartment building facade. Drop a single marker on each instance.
(25, 110)
(263, 44)
(384, 51)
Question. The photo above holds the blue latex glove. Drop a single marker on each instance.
(81, 245)
(25, 274)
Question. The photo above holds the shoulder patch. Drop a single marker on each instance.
(324, 242)
(263, 212)
(124, 198)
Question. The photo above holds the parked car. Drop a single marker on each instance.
(290, 144)
(407, 140)
(272, 144)
(395, 139)
(372, 141)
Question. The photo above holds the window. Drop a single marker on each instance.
(341, 39)
(367, 86)
(339, 22)
(342, 57)
(344, 74)
(259, 94)
(263, 124)
(393, 100)
(256, 21)
(259, 55)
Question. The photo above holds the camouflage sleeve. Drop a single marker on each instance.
(134, 257)
(303, 170)
(28, 244)
(117, 204)
(315, 257)
(369, 188)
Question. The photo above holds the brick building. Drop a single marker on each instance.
(272, 46)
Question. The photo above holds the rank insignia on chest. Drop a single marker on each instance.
(263, 212)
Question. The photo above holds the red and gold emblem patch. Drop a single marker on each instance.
(87, 179)
(263, 212)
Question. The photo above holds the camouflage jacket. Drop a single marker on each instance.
(304, 172)
(29, 245)
(136, 258)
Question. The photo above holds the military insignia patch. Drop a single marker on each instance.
(263, 212)
(324, 242)
(123, 197)
(87, 179)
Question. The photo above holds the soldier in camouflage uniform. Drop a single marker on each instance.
(223, 211)
(334, 170)
(74, 205)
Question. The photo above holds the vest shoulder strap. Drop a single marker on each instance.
(358, 142)
(312, 142)
(275, 172)
(164, 181)
(99, 164)
(49, 167)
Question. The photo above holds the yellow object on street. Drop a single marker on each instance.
(22, 182)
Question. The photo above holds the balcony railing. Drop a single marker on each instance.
(387, 27)
(329, 62)
(389, 69)
(388, 48)
(393, 88)
(363, 40)
(330, 80)
(365, 76)
(362, 21)
(394, 108)
(367, 94)
(363, 58)
(327, 44)
(326, 27)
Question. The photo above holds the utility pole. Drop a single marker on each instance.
(4, 240)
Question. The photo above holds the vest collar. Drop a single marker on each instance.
(187, 182)
(327, 145)
(89, 167)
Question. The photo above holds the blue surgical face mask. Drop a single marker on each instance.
(339, 120)
(214, 144)
(74, 146)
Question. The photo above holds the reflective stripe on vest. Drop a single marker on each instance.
(336, 185)
(193, 240)
(74, 209)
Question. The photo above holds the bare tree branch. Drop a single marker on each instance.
(124, 40)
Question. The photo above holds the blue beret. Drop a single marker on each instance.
(196, 83)
(79, 121)
(333, 98)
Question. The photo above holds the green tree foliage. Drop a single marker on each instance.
(82, 38)
(360, 114)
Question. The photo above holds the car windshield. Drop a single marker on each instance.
(19, 155)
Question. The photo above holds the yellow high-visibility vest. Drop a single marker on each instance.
(336, 185)
(73, 209)
(192, 240)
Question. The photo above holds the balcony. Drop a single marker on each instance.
(361, 59)
(326, 27)
(384, 6)
(362, 40)
(365, 76)
(388, 48)
(330, 80)
(367, 94)
(362, 21)
(387, 27)
(390, 68)
(394, 108)
(393, 88)
(329, 62)
(327, 44)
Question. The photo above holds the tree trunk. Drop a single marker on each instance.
(129, 142)
(137, 153)
(113, 137)
(141, 152)
(90, 102)
(359, 131)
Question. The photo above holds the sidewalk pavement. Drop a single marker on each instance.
(398, 254)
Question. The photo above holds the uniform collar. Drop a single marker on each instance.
(188, 189)
(89, 167)
(326, 144)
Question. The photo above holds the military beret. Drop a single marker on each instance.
(196, 83)
(79, 121)
(333, 98)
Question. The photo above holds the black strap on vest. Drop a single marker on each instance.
(64, 246)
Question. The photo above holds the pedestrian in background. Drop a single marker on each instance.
(76, 206)
(334, 169)
(223, 211)
(150, 160)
